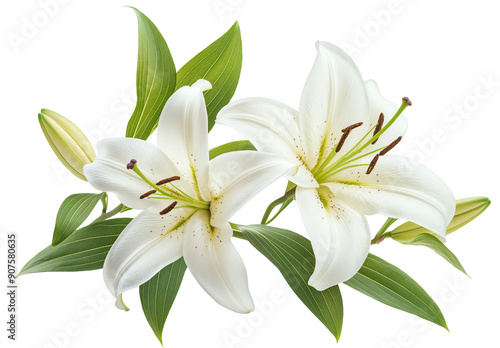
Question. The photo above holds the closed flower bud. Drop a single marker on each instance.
(68, 142)
(467, 210)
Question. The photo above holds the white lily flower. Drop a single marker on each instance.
(338, 141)
(186, 199)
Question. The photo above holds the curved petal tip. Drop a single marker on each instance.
(202, 84)
(120, 304)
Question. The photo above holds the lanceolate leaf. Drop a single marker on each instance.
(388, 284)
(84, 250)
(240, 145)
(292, 255)
(156, 77)
(220, 64)
(158, 295)
(73, 212)
(430, 241)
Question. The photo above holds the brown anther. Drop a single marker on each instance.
(168, 209)
(149, 193)
(167, 180)
(342, 141)
(391, 146)
(351, 127)
(380, 123)
(372, 164)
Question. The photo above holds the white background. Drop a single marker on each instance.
(80, 60)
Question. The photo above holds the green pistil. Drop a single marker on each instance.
(176, 195)
(403, 106)
(326, 170)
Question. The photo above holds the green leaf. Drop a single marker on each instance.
(220, 64)
(156, 78)
(84, 250)
(292, 254)
(73, 212)
(430, 241)
(240, 145)
(158, 295)
(388, 284)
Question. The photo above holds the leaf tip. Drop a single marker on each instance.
(21, 272)
(160, 338)
(443, 323)
(446, 327)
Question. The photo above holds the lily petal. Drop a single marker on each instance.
(215, 263)
(183, 133)
(398, 187)
(272, 127)
(339, 235)
(333, 98)
(109, 171)
(379, 104)
(236, 177)
(149, 243)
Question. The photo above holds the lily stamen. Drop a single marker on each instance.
(342, 141)
(391, 146)
(167, 180)
(380, 123)
(372, 164)
(345, 133)
(168, 209)
(163, 192)
(358, 147)
(352, 126)
(406, 102)
(149, 193)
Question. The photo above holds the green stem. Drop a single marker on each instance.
(113, 212)
(382, 230)
(283, 199)
(104, 201)
(280, 210)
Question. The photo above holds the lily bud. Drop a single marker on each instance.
(467, 210)
(69, 143)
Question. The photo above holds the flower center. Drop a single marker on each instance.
(166, 189)
(323, 171)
